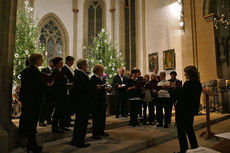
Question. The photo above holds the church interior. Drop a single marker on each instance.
(162, 35)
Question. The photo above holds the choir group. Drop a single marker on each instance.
(57, 92)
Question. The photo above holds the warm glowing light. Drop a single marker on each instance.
(181, 24)
(176, 9)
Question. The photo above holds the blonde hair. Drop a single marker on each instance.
(81, 62)
(34, 57)
(97, 68)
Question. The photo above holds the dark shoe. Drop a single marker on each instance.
(138, 124)
(166, 126)
(82, 145)
(133, 124)
(65, 129)
(42, 124)
(97, 137)
(125, 116)
(69, 125)
(58, 131)
(144, 123)
(34, 149)
(117, 116)
(104, 134)
(151, 123)
(159, 125)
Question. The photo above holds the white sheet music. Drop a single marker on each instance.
(224, 135)
(201, 150)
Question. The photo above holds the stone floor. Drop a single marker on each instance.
(126, 139)
(172, 145)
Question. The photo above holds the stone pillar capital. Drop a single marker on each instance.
(112, 10)
(75, 10)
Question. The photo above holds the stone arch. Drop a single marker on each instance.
(63, 31)
(85, 18)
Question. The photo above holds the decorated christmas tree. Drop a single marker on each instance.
(26, 41)
(104, 52)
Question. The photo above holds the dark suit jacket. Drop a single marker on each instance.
(99, 95)
(81, 92)
(68, 74)
(117, 81)
(32, 90)
(59, 87)
(189, 97)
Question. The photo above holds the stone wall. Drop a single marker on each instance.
(163, 31)
(198, 46)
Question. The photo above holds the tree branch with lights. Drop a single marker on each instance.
(104, 52)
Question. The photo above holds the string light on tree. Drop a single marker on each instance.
(26, 40)
(103, 52)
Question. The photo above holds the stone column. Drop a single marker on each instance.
(75, 11)
(121, 28)
(7, 40)
(112, 11)
(140, 36)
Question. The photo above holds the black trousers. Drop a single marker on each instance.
(69, 112)
(47, 107)
(59, 115)
(99, 116)
(172, 103)
(184, 122)
(80, 128)
(163, 103)
(151, 108)
(28, 122)
(133, 111)
(121, 106)
(140, 105)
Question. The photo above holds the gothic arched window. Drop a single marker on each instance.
(51, 38)
(94, 19)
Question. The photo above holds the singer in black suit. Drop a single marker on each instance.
(48, 105)
(69, 73)
(59, 93)
(80, 101)
(120, 85)
(31, 95)
(99, 102)
(187, 106)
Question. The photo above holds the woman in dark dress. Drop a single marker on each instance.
(187, 106)
(99, 102)
(31, 95)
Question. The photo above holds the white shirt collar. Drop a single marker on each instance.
(83, 72)
(98, 76)
(71, 70)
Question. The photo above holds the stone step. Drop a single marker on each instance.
(125, 139)
(45, 135)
